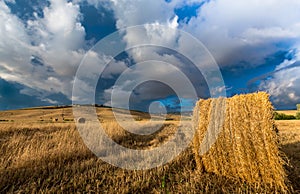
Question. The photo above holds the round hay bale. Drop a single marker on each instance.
(81, 120)
(55, 119)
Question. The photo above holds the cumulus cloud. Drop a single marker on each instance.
(138, 12)
(283, 85)
(284, 88)
(42, 53)
(245, 30)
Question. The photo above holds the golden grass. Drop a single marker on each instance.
(246, 147)
(288, 112)
(289, 138)
(52, 158)
(47, 115)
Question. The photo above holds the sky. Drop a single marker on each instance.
(256, 45)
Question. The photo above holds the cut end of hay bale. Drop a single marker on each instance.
(235, 137)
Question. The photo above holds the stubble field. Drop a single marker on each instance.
(40, 155)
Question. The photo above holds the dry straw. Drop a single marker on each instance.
(235, 138)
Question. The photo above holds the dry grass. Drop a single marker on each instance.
(46, 115)
(288, 112)
(289, 136)
(52, 158)
(246, 147)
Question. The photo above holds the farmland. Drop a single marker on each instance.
(41, 155)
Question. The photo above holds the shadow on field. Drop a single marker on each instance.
(44, 173)
(292, 151)
(77, 172)
(143, 142)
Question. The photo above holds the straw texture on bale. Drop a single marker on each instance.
(235, 137)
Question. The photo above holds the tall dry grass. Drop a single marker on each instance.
(52, 158)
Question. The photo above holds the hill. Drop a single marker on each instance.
(65, 114)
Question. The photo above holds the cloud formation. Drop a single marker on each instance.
(54, 40)
(244, 32)
(43, 52)
(283, 85)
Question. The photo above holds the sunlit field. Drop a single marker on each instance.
(39, 154)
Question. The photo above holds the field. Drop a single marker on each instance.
(38, 154)
(288, 112)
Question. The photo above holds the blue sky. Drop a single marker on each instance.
(256, 45)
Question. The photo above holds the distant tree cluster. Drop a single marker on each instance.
(282, 116)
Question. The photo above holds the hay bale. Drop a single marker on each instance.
(81, 120)
(235, 137)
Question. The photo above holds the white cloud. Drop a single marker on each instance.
(56, 39)
(62, 20)
(138, 12)
(60, 28)
(261, 34)
(284, 84)
(284, 87)
(233, 31)
(237, 31)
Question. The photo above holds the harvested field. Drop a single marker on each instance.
(50, 157)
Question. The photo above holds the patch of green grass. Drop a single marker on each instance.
(298, 116)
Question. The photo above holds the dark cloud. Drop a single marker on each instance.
(11, 97)
(37, 61)
(98, 22)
